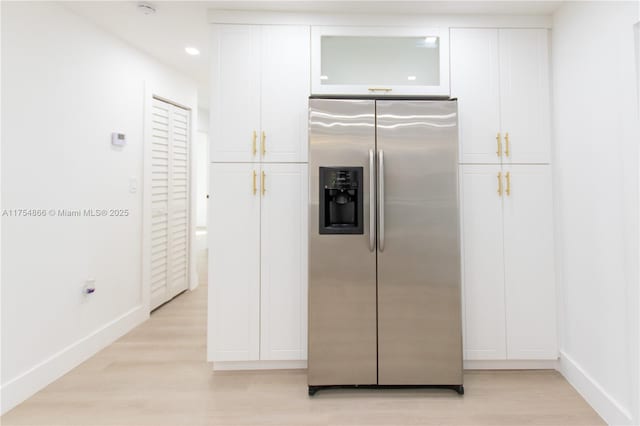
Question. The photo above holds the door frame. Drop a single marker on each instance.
(186, 100)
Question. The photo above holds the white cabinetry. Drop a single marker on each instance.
(235, 92)
(258, 252)
(283, 283)
(483, 263)
(509, 286)
(284, 93)
(260, 86)
(500, 77)
(234, 262)
(380, 60)
(530, 293)
(501, 80)
(475, 82)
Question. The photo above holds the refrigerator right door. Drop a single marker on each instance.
(419, 307)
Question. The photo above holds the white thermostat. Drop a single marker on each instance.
(118, 139)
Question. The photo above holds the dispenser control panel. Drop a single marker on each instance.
(341, 204)
(342, 179)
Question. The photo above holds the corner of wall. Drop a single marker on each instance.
(599, 399)
(28, 383)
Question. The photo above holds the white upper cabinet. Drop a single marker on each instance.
(235, 92)
(284, 93)
(524, 95)
(475, 82)
(501, 80)
(260, 86)
(374, 60)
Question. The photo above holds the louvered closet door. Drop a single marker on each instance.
(169, 201)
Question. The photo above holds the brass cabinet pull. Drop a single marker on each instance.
(254, 183)
(508, 191)
(506, 141)
(380, 89)
(499, 142)
(264, 143)
(500, 184)
(263, 182)
(253, 144)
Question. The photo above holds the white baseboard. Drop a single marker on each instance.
(259, 365)
(513, 364)
(605, 405)
(18, 389)
(468, 365)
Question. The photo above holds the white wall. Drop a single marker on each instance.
(202, 178)
(66, 85)
(202, 172)
(596, 164)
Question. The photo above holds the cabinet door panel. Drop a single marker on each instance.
(475, 82)
(483, 264)
(234, 263)
(284, 262)
(285, 92)
(235, 92)
(529, 269)
(524, 92)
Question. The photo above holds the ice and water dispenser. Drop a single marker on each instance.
(341, 204)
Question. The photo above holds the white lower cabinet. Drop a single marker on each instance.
(508, 271)
(283, 267)
(483, 263)
(234, 263)
(530, 293)
(258, 262)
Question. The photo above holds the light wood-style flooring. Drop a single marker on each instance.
(158, 375)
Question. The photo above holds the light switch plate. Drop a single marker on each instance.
(133, 184)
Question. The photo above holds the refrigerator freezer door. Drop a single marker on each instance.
(419, 319)
(342, 267)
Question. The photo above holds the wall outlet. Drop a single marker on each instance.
(89, 287)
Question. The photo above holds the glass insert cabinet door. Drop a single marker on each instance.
(370, 60)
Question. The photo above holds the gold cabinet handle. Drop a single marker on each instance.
(253, 144)
(263, 182)
(380, 89)
(264, 143)
(500, 184)
(506, 141)
(254, 183)
(499, 142)
(508, 191)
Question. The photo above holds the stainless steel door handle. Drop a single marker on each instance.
(381, 199)
(372, 201)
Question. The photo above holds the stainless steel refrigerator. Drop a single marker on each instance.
(384, 250)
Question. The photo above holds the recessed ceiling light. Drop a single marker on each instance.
(411, 78)
(431, 40)
(192, 51)
(324, 77)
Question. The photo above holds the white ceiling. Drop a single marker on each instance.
(177, 24)
(396, 7)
